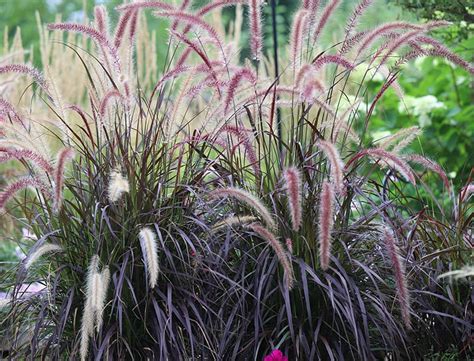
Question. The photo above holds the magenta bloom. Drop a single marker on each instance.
(276, 355)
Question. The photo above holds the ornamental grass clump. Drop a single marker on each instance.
(225, 207)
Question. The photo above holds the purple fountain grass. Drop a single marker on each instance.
(26, 70)
(354, 19)
(241, 74)
(326, 220)
(335, 59)
(7, 154)
(64, 156)
(312, 6)
(9, 110)
(395, 44)
(289, 245)
(184, 5)
(113, 93)
(277, 247)
(22, 183)
(294, 192)
(37, 254)
(122, 26)
(297, 35)
(392, 160)
(150, 254)
(145, 5)
(352, 41)
(399, 272)
(101, 40)
(101, 19)
(380, 93)
(330, 7)
(431, 165)
(311, 90)
(337, 165)
(242, 135)
(255, 29)
(249, 199)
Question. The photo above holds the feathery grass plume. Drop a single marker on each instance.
(400, 139)
(101, 19)
(145, 4)
(104, 280)
(118, 185)
(431, 165)
(107, 48)
(335, 59)
(113, 93)
(18, 185)
(397, 43)
(392, 160)
(312, 6)
(354, 19)
(250, 200)
(64, 156)
(337, 165)
(9, 110)
(150, 254)
(244, 73)
(399, 272)
(46, 248)
(255, 29)
(326, 215)
(443, 52)
(325, 16)
(242, 135)
(293, 187)
(289, 245)
(122, 26)
(88, 315)
(464, 272)
(297, 35)
(268, 236)
(38, 160)
(233, 221)
(26, 70)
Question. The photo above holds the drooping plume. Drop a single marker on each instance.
(244, 73)
(293, 187)
(64, 156)
(26, 70)
(400, 139)
(18, 185)
(233, 221)
(37, 159)
(326, 215)
(255, 21)
(150, 254)
(337, 166)
(431, 165)
(46, 248)
(249, 199)
(279, 251)
(399, 272)
(326, 14)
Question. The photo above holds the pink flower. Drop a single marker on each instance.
(276, 355)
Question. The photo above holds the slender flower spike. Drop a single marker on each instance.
(87, 325)
(20, 184)
(326, 210)
(250, 200)
(243, 73)
(279, 251)
(118, 185)
(337, 166)
(27, 70)
(150, 254)
(399, 271)
(65, 155)
(293, 186)
(256, 41)
(46, 248)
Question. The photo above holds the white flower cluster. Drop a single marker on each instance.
(421, 107)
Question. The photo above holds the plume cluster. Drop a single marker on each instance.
(150, 254)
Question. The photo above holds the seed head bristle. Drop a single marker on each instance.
(293, 187)
(150, 254)
(326, 215)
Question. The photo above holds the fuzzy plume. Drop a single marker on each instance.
(104, 280)
(20, 184)
(326, 215)
(289, 245)
(26, 70)
(400, 139)
(297, 35)
(244, 73)
(399, 272)
(118, 185)
(38, 160)
(325, 16)
(293, 187)
(337, 166)
(150, 254)
(101, 19)
(46, 248)
(334, 59)
(64, 156)
(255, 21)
(250, 200)
(431, 165)
(233, 221)
(100, 39)
(87, 326)
(113, 93)
(359, 10)
(122, 26)
(7, 109)
(277, 247)
(145, 5)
